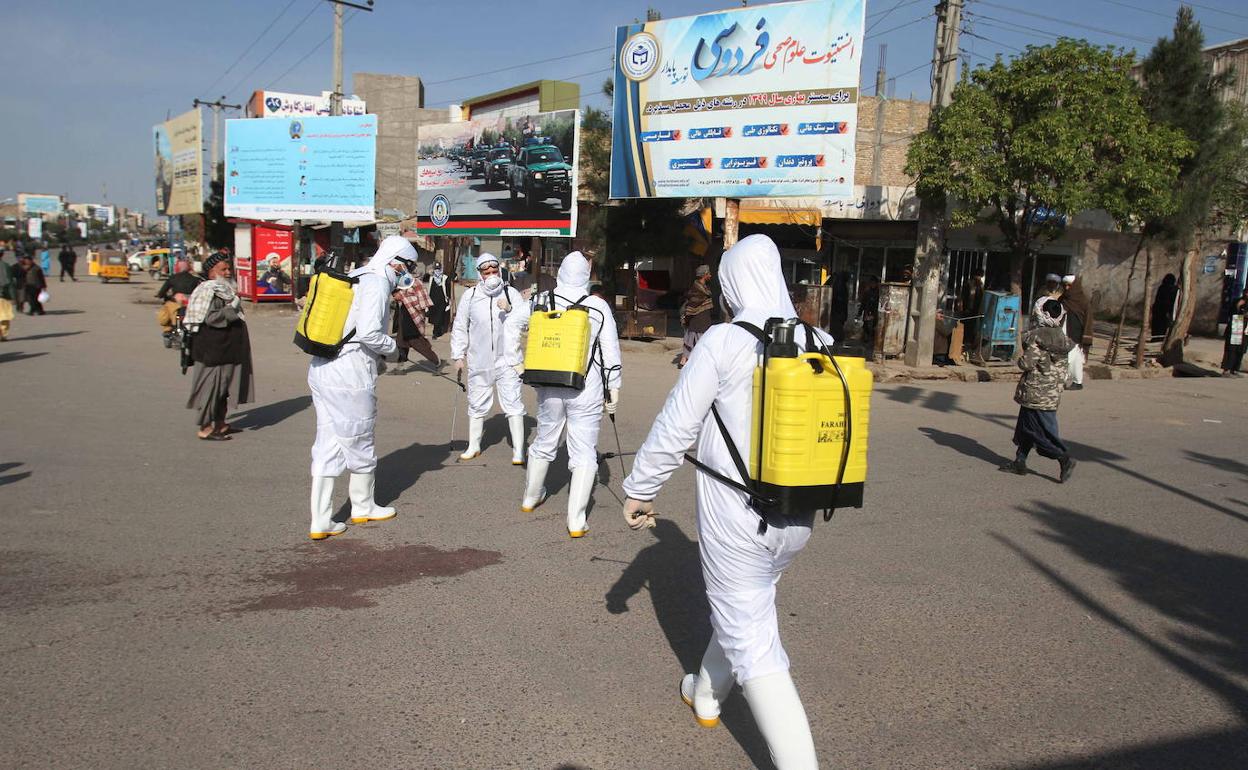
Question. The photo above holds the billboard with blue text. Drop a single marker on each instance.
(752, 102)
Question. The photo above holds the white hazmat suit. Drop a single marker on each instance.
(740, 565)
(579, 412)
(344, 393)
(478, 336)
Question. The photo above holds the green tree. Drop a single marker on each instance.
(1028, 144)
(1181, 92)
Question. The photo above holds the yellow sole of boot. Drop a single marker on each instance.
(463, 459)
(365, 519)
(580, 533)
(712, 722)
(323, 535)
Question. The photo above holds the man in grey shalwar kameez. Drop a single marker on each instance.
(220, 347)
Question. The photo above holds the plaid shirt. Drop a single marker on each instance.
(416, 301)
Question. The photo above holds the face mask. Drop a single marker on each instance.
(493, 282)
(405, 281)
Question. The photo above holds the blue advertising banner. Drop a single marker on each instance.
(749, 103)
(301, 168)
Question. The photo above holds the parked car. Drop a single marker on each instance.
(540, 172)
(496, 166)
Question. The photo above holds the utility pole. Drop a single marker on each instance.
(335, 101)
(217, 107)
(925, 288)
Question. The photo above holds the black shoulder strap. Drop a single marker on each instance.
(752, 329)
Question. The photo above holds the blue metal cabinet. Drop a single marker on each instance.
(1002, 314)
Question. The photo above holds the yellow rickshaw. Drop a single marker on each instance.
(113, 266)
(93, 262)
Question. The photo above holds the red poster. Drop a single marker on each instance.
(271, 252)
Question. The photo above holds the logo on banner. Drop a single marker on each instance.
(640, 57)
(440, 211)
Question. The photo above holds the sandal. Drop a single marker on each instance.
(213, 437)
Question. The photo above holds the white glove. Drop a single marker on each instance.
(457, 365)
(503, 304)
(519, 368)
(613, 400)
(639, 515)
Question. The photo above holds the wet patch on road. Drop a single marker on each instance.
(30, 580)
(338, 574)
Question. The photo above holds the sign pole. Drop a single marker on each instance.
(732, 218)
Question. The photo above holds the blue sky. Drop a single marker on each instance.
(88, 79)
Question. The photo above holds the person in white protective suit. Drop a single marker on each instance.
(579, 412)
(477, 335)
(344, 392)
(740, 564)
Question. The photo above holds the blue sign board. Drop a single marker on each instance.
(301, 168)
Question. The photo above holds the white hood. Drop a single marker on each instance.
(573, 280)
(753, 282)
(392, 248)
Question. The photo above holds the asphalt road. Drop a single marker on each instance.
(471, 196)
(161, 605)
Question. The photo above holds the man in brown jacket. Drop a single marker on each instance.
(1044, 363)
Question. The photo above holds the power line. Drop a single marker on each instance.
(247, 49)
(969, 33)
(892, 8)
(1016, 29)
(1164, 15)
(1065, 22)
(1215, 10)
(313, 50)
(518, 66)
(924, 17)
(275, 48)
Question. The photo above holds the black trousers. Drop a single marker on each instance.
(1037, 429)
(32, 299)
(67, 268)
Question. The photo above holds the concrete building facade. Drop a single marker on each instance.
(398, 101)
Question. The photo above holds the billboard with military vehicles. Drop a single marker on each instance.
(512, 175)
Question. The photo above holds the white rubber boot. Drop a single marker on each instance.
(706, 690)
(781, 719)
(534, 491)
(476, 426)
(363, 507)
(516, 423)
(578, 499)
(323, 525)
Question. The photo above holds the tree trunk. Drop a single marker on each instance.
(1142, 339)
(1172, 348)
(1111, 354)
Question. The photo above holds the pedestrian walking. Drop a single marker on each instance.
(1162, 313)
(68, 259)
(695, 313)
(478, 345)
(1078, 327)
(566, 410)
(1052, 290)
(411, 304)
(1236, 337)
(440, 296)
(221, 350)
(174, 294)
(741, 560)
(34, 286)
(344, 393)
(7, 289)
(1044, 362)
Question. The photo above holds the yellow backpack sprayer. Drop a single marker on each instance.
(808, 438)
(557, 353)
(324, 315)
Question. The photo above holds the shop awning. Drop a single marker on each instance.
(779, 216)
